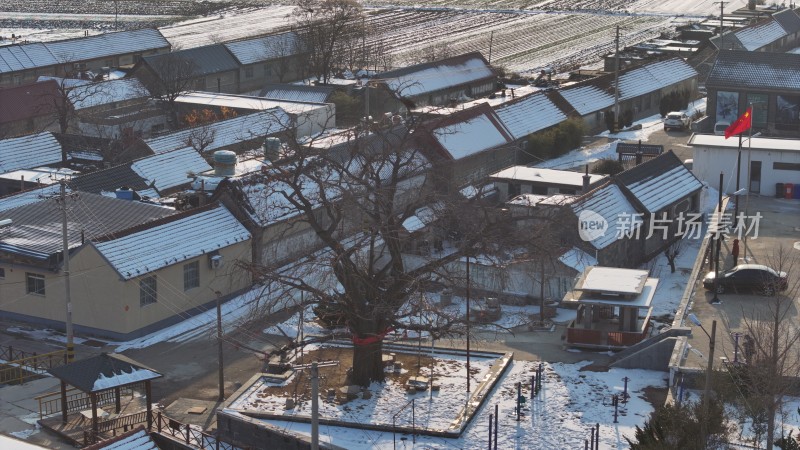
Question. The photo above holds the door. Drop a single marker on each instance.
(755, 177)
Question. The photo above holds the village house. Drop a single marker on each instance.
(276, 58)
(778, 32)
(773, 164)
(517, 180)
(161, 266)
(467, 146)
(640, 91)
(532, 113)
(207, 68)
(437, 83)
(28, 152)
(24, 63)
(766, 81)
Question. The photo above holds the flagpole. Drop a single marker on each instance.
(738, 172)
(749, 183)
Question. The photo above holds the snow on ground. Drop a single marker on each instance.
(9, 443)
(569, 404)
(291, 326)
(233, 311)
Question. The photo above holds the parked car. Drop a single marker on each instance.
(748, 278)
(677, 121)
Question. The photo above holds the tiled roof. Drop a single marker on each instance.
(35, 232)
(264, 48)
(759, 70)
(29, 196)
(760, 34)
(297, 93)
(28, 56)
(172, 241)
(102, 372)
(598, 93)
(610, 203)
(430, 77)
(29, 100)
(108, 44)
(530, 114)
(29, 151)
(206, 60)
(96, 94)
(227, 132)
(109, 180)
(471, 131)
(168, 170)
(659, 182)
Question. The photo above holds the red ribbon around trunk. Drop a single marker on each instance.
(371, 339)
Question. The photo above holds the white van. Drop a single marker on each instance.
(720, 127)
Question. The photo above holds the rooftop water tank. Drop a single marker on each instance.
(224, 163)
(124, 193)
(272, 148)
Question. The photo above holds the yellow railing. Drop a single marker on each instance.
(20, 369)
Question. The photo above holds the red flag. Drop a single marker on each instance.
(741, 124)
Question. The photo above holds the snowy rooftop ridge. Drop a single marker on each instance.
(612, 280)
(530, 114)
(169, 169)
(122, 378)
(172, 242)
(136, 439)
(431, 77)
(610, 203)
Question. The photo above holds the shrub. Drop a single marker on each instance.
(608, 166)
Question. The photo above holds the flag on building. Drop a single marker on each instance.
(741, 124)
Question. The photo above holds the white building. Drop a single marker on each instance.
(771, 161)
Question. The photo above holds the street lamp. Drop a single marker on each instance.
(706, 391)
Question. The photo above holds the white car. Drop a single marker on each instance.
(677, 121)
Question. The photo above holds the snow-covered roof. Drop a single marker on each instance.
(103, 371)
(577, 259)
(530, 114)
(172, 241)
(260, 49)
(431, 77)
(479, 131)
(760, 35)
(598, 94)
(29, 151)
(104, 92)
(297, 93)
(136, 439)
(663, 189)
(587, 99)
(29, 196)
(642, 80)
(612, 280)
(643, 300)
(108, 44)
(246, 102)
(611, 204)
(40, 175)
(545, 176)
(756, 143)
(227, 132)
(169, 169)
(64, 82)
(755, 70)
(527, 199)
(26, 56)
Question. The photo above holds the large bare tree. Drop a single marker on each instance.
(362, 200)
(167, 77)
(328, 28)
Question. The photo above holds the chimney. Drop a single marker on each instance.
(586, 179)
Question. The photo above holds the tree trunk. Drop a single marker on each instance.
(368, 363)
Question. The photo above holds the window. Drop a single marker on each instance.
(148, 291)
(34, 283)
(191, 275)
(785, 166)
(2, 273)
(248, 72)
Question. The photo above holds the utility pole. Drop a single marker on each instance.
(707, 389)
(468, 326)
(616, 81)
(65, 247)
(721, 15)
(491, 40)
(219, 349)
(314, 406)
(717, 244)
